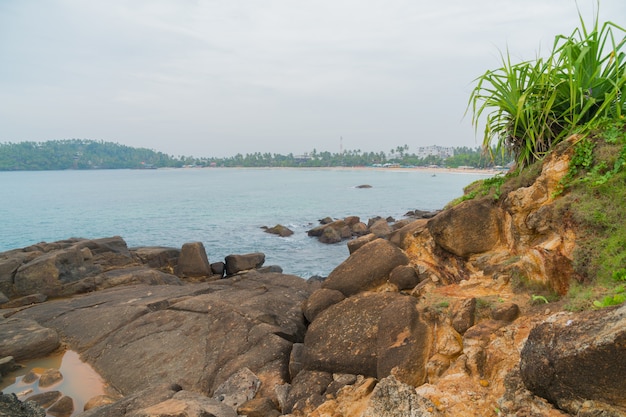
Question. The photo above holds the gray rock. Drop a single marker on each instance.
(193, 261)
(157, 256)
(366, 268)
(45, 399)
(25, 300)
(239, 263)
(240, 387)
(391, 398)
(305, 385)
(10, 406)
(295, 359)
(50, 377)
(26, 339)
(218, 268)
(127, 406)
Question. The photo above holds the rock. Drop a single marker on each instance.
(62, 408)
(391, 398)
(99, 401)
(7, 364)
(469, 228)
(319, 301)
(380, 228)
(368, 334)
(49, 378)
(506, 312)
(218, 268)
(364, 186)
(10, 406)
(193, 261)
(30, 377)
(139, 400)
(240, 387)
(571, 359)
(133, 334)
(45, 399)
(25, 300)
(330, 235)
(238, 263)
(305, 385)
(258, 407)
(402, 342)
(359, 242)
(279, 230)
(134, 275)
(26, 339)
(366, 268)
(340, 381)
(463, 314)
(404, 277)
(402, 237)
(3, 299)
(157, 256)
(326, 220)
(295, 360)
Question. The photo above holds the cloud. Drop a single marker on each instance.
(219, 77)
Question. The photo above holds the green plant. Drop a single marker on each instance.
(617, 298)
(536, 299)
(531, 106)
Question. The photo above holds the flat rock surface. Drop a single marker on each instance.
(26, 339)
(195, 335)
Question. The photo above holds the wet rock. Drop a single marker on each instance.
(26, 339)
(98, 401)
(359, 229)
(240, 387)
(572, 359)
(469, 228)
(239, 263)
(45, 399)
(366, 268)
(30, 377)
(50, 377)
(62, 408)
(319, 301)
(193, 261)
(391, 398)
(330, 235)
(279, 230)
(7, 364)
(364, 186)
(10, 406)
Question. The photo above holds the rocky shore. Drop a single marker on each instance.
(425, 319)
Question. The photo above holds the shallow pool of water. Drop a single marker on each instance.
(80, 381)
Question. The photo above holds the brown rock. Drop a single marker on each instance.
(306, 384)
(50, 377)
(45, 399)
(98, 401)
(380, 228)
(25, 301)
(279, 230)
(193, 261)
(258, 407)
(62, 408)
(330, 235)
(157, 256)
(570, 359)
(359, 242)
(463, 314)
(26, 339)
(239, 263)
(469, 228)
(366, 268)
(506, 312)
(404, 277)
(319, 301)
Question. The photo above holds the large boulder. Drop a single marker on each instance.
(366, 268)
(469, 228)
(570, 360)
(157, 256)
(193, 261)
(369, 334)
(239, 263)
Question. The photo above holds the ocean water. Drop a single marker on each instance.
(224, 208)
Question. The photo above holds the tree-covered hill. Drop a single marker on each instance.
(79, 154)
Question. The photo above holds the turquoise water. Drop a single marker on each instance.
(222, 207)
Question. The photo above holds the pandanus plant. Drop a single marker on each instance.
(533, 105)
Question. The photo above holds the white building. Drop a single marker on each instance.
(435, 150)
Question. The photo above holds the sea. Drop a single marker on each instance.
(224, 208)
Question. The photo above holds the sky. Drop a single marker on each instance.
(213, 78)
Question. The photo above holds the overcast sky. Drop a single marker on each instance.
(220, 77)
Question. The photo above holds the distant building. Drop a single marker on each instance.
(435, 150)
